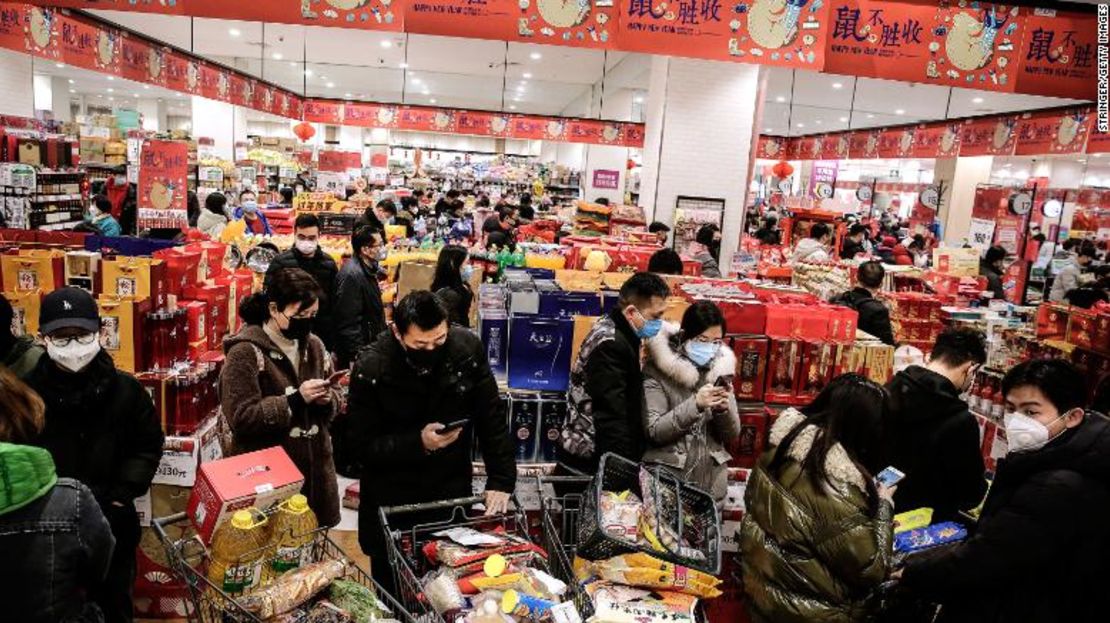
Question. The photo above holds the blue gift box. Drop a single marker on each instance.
(494, 329)
(539, 352)
(567, 304)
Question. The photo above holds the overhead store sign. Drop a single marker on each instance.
(1068, 131)
(477, 123)
(975, 45)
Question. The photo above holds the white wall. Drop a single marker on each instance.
(960, 177)
(44, 92)
(215, 120)
(17, 97)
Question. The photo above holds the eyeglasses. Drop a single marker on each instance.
(62, 342)
(709, 340)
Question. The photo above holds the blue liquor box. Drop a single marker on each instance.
(539, 353)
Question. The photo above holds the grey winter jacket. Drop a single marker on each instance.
(681, 436)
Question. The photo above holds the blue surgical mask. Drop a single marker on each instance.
(701, 353)
(650, 329)
(467, 272)
(250, 207)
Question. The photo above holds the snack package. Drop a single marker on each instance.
(912, 520)
(454, 555)
(293, 589)
(661, 501)
(928, 537)
(358, 601)
(646, 571)
(442, 592)
(521, 605)
(620, 515)
(614, 603)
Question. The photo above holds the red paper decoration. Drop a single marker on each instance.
(782, 169)
(304, 130)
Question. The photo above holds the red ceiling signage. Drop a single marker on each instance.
(771, 147)
(324, 111)
(896, 143)
(941, 140)
(571, 23)
(364, 14)
(1098, 142)
(426, 119)
(1058, 55)
(483, 123)
(974, 45)
(1053, 133)
(809, 148)
(835, 146)
(790, 34)
(864, 144)
(995, 136)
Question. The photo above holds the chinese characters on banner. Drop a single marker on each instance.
(606, 179)
(981, 233)
(1058, 56)
(163, 170)
(989, 137)
(973, 45)
(576, 23)
(1053, 133)
(769, 32)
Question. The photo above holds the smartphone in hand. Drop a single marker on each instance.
(889, 477)
(452, 426)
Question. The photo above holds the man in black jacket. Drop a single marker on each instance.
(307, 255)
(874, 317)
(853, 242)
(101, 429)
(606, 397)
(359, 314)
(413, 381)
(934, 438)
(1040, 551)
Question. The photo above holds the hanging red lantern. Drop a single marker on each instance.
(782, 169)
(304, 131)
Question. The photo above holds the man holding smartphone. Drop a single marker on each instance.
(420, 397)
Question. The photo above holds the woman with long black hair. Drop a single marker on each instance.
(816, 540)
(451, 283)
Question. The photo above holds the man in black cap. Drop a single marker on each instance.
(101, 429)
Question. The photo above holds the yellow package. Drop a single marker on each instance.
(912, 520)
(657, 574)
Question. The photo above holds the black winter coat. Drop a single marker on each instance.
(390, 403)
(359, 315)
(934, 440)
(874, 317)
(323, 270)
(101, 429)
(1041, 551)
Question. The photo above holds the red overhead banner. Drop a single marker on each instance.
(1058, 56)
(483, 123)
(896, 143)
(864, 144)
(995, 136)
(974, 45)
(364, 14)
(771, 147)
(835, 146)
(426, 119)
(940, 140)
(572, 23)
(163, 170)
(1053, 133)
(339, 161)
(788, 33)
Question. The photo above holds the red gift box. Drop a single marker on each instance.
(1100, 336)
(782, 371)
(212, 258)
(74, 239)
(239, 285)
(182, 268)
(751, 367)
(749, 445)
(217, 299)
(197, 312)
(255, 479)
(818, 365)
(811, 323)
(157, 384)
(1081, 327)
(843, 322)
(780, 320)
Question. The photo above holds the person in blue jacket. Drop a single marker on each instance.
(100, 216)
(249, 213)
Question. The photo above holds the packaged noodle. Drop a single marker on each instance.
(620, 515)
(640, 569)
(293, 589)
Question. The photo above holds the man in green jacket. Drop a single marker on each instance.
(18, 354)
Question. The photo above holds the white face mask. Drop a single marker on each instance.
(1024, 434)
(306, 247)
(94, 212)
(74, 356)
(120, 180)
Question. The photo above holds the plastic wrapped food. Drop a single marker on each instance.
(621, 604)
(443, 593)
(454, 555)
(293, 589)
(646, 571)
(327, 612)
(930, 536)
(620, 515)
(660, 508)
(361, 602)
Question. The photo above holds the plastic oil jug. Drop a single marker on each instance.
(238, 549)
(292, 535)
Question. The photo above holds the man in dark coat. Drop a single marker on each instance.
(413, 381)
(1040, 552)
(874, 317)
(101, 429)
(606, 397)
(307, 255)
(853, 242)
(359, 314)
(934, 439)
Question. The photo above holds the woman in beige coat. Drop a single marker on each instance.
(690, 418)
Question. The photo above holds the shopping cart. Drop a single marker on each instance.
(404, 544)
(559, 514)
(208, 603)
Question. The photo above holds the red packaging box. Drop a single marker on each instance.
(254, 480)
(239, 287)
(818, 365)
(1100, 337)
(782, 370)
(212, 258)
(780, 320)
(182, 268)
(197, 312)
(751, 367)
(744, 317)
(216, 297)
(1081, 327)
(812, 323)
(748, 447)
(843, 322)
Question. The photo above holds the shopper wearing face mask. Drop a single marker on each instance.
(276, 387)
(100, 216)
(691, 410)
(606, 396)
(359, 312)
(404, 391)
(1041, 550)
(452, 283)
(123, 198)
(101, 429)
(307, 255)
(249, 213)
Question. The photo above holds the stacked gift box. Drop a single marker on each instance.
(915, 318)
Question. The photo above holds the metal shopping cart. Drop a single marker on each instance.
(208, 603)
(559, 513)
(405, 539)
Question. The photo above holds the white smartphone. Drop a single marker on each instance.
(889, 477)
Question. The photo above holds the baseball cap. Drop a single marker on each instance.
(68, 307)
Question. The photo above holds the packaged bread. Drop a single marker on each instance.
(293, 589)
(646, 571)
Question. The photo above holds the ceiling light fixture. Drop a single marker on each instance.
(818, 122)
(780, 99)
(277, 56)
(511, 107)
(73, 90)
(71, 80)
(837, 85)
(535, 56)
(801, 125)
(111, 90)
(767, 130)
(638, 100)
(60, 65)
(110, 78)
(432, 101)
(308, 72)
(899, 112)
(427, 92)
(386, 43)
(234, 32)
(135, 95)
(976, 100)
(527, 75)
(111, 99)
(346, 95)
(404, 65)
(146, 86)
(331, 85)
(292, 63)
(870, 116)
(843, 120)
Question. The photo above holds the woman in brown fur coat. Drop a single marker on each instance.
(274, 388)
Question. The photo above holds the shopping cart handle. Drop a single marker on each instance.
(431, 506)
(159, 523)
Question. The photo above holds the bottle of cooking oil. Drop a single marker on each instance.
(238, 549)
(291, 535)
